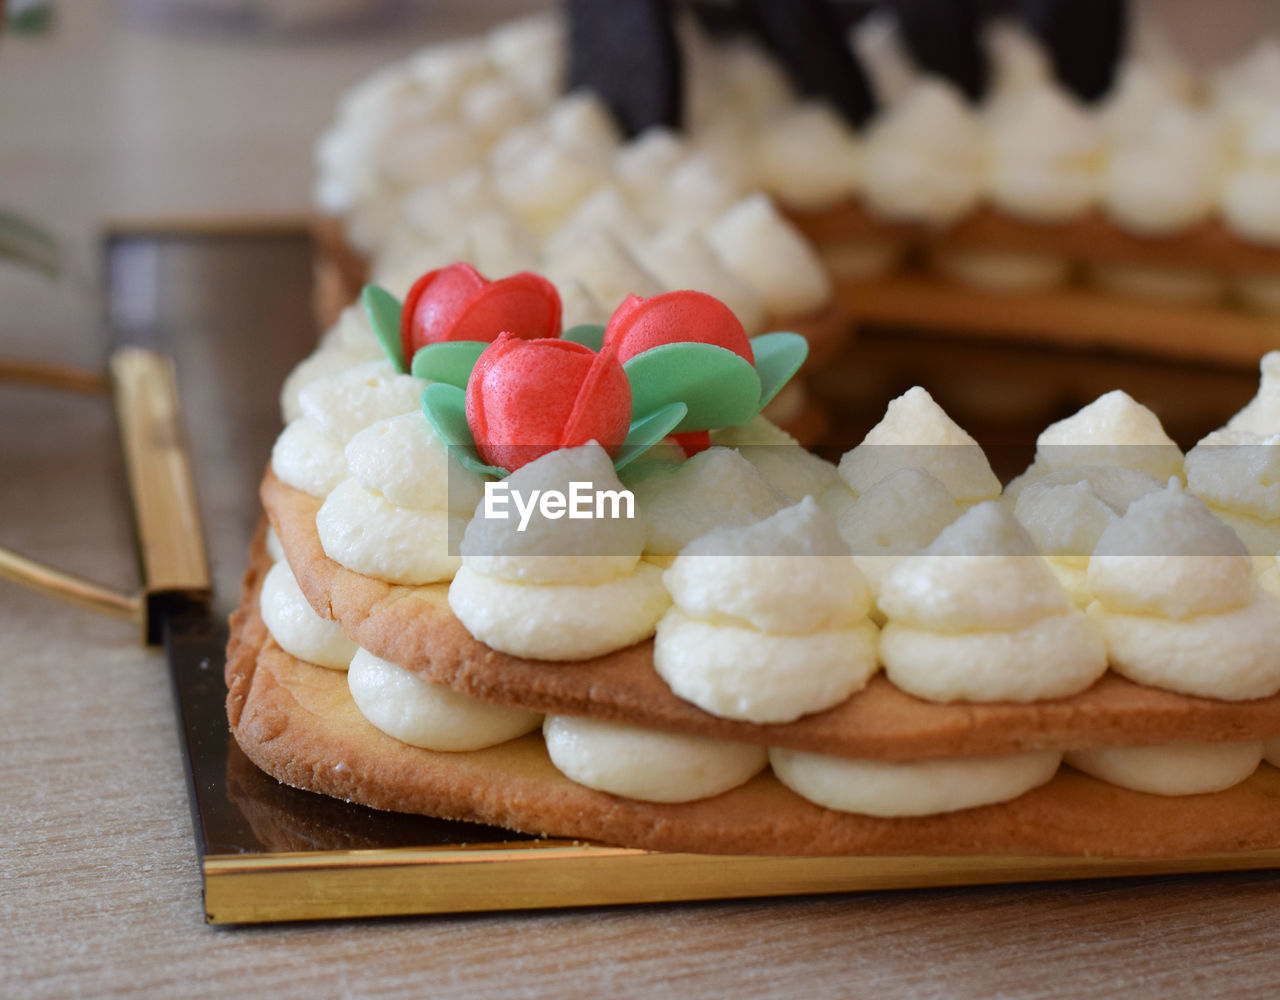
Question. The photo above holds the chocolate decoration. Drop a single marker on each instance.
(626, 52)
(1085, 40)
(942, 37)
(809, 40)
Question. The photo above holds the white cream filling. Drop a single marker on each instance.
(546, 183)
(432, 716)
(773, 629)
(1165, 177)
(348, 402)
(860, 259)
(923, 158)
(646, 764)
(807, 156)
(606, 268)
(365, 532)
(1162, 284)
(1187, 768)
(1056, 656)
(296, 627)
(326, 360)
(404, 460)
(1233, 655)
(789, 594)
(916, 432)
(680, 257)
(764, 250)
(1004, 270)
(741, 673)
(1046, 156)
(791, 470)
(716, 487)
(1112, 430)
(1250, 203)
(307, 458)
(536, 548)
(990, 627)
(559, 621)
(911, 788)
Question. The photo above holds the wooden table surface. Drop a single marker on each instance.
(99, 886)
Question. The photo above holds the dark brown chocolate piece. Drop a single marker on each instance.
(626, 52)
(1085, 40)
(809, 40)
(942, 37)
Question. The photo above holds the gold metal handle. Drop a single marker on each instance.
(167, 521)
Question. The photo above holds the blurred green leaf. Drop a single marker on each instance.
(29, 17)
(25, 243)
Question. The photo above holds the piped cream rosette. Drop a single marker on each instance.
(1178, 604)
(394, 700)
(1187, 768)
(897, 517)
(979, 616)
(1067, 510)
(911, 788)
(422, 714)
(916, 433)
(1113, 430)
(1236, 470)
(792, 470)
(1044, 156)
(647, 764)
(910, 477)
(294, 624)
(715, 488)
(923, 161)
(400, 513)
(309, 453)
(555, 587)
(769, 621)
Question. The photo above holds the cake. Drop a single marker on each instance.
(581, 587)
(539, 555)
(775, 196)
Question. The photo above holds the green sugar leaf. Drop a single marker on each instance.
(445, 407)
(719, 388)
(449, 361)
(587, 334)
(383, 310)
(648, 431)
(778, 357)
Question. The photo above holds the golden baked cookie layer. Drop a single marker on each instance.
(414, 627)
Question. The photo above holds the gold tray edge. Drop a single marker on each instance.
(410, 881)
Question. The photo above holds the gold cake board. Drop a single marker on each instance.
(546, 874)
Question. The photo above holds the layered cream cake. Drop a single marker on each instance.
(764, 197)
(571, 582)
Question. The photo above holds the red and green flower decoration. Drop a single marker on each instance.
(508, 387)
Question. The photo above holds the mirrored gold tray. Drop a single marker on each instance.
(228, 305)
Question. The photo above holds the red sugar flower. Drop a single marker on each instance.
(458, 303)
(526, 398)
(640, 324)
